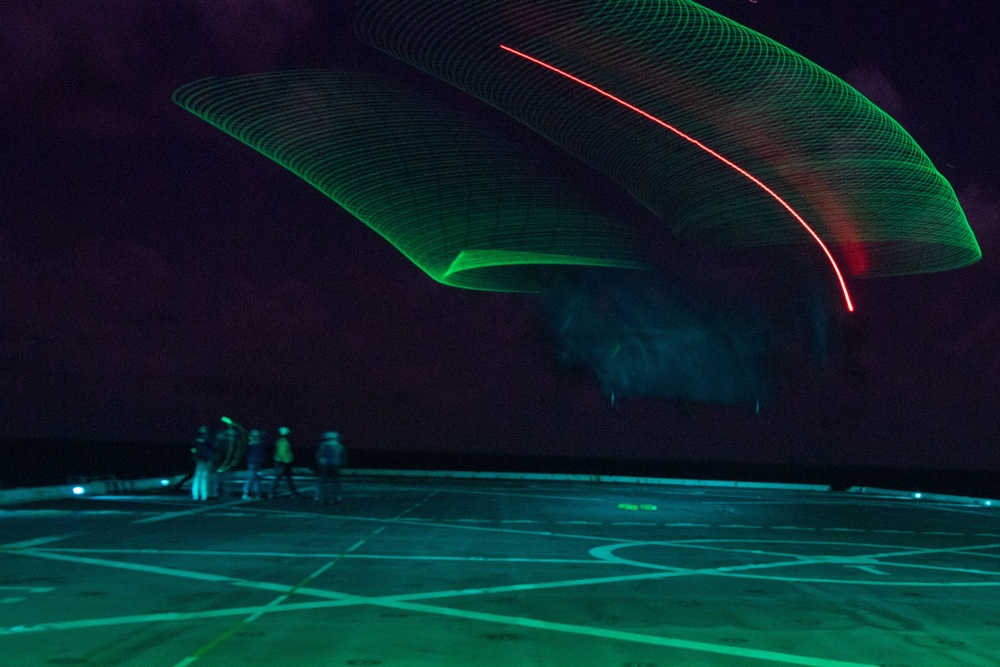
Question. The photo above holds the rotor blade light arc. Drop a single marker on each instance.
(756, 181)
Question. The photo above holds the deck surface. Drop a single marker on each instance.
(484, 572)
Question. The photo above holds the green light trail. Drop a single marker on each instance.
(469, 207)
(867, 189)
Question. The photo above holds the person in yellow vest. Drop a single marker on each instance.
(283, 463)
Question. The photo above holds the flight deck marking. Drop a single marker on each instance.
(895, 532)
(963, 570)
(27, 544)
(634, 523)
(494, 618)
(291, 590)
(349, 598)
(273, 603)
(404, 601)
(174, 572)
(171, 616)
(420, 522)
(961, 508)
(398, 601)
(353, 556)
(401, 602)
(785, 658)
(856, 561)
(687, 525)
(165, 516)
(843, 530)
(635, 637)
(474, 492)
(11, 599)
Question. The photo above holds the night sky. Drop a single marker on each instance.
(157, 274)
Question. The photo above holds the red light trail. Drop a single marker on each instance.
(756, 181)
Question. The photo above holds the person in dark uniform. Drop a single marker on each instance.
(330, 456)
(255, 461)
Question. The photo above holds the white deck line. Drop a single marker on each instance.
(559, 477)
(104, 487)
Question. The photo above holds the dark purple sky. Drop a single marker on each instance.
(156, 273)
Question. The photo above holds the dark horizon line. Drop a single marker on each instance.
(37, 461)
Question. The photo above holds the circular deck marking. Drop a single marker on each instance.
(840, 568)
